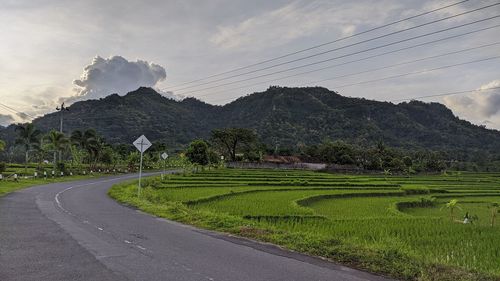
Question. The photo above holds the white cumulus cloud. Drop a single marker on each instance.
(6, 119)
(105, 76)
(481, 106)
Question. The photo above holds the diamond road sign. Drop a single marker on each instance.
(142, 144)
(164, 155)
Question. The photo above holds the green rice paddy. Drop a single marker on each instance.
(403, 220)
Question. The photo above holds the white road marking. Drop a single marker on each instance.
(140, 247)
(126, 241)
(86, 184)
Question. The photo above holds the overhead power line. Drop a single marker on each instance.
(447, 94)
(342, 47)
(366, 58)
(347, 55)
(407, 74)
(320, 45)
(17, 112)
(394, 76)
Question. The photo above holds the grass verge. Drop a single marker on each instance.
(8, 186)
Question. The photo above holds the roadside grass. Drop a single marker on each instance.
(7, 186)
(364, 221)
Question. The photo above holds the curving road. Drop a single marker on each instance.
(74, 231)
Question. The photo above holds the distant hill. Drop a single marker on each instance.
(288, 116)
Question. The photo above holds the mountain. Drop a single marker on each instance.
(288, 116)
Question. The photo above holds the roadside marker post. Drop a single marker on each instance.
(142, 144)
(164, 155)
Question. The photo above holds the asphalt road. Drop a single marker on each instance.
(74, 231)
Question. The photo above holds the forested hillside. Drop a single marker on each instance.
(288, 117)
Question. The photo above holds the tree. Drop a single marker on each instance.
(337, 152)
(28, 139)
(2, 145)
(85, 140)
(91, 142)
(95, 150)
(77, 155)
(57, 142)
(494, 212)
(407, 161)
(133, 160)
(231, 140)
(198, 152)
(452, 205)
(109, 156)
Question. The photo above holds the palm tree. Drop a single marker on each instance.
(57, 142)
(452, 205)
(96, 148)
(87, 140)
(29, 139)
(77, 138)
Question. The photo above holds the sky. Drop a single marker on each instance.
(56, 51)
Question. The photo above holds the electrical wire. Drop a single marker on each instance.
(446, 94)
(394, 76)
(345, 46)
(348, 55)
(357, 60)
(319, 45)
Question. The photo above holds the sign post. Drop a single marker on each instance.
(164, 155)
(142, 144)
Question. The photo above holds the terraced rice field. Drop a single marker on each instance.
(397, 214)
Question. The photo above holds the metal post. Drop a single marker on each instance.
(164, 164)
(140, 172)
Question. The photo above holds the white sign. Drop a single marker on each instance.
(142, 144)
(164, 155)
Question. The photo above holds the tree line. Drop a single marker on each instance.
(238, 144)
(87, 149)
(80, 150)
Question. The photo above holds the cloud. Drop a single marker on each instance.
(171, 95)
(6, 119)
(116, 75)
(301, 19)
(482, 106)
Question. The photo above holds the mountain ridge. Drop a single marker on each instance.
(289, 117)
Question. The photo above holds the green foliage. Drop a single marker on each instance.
(231, 141)
(56, 141)
(3, 167)
(452, 205)
(287, 119)
(61, 167)
(198, 152)
(337, 152)
(28, 136)
(109, 157)
(395, 229)
(29, 139)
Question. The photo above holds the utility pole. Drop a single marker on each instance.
(61, 109)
